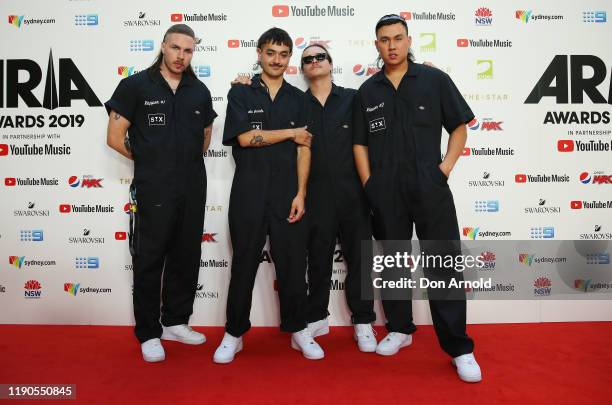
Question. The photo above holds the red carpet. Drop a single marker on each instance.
(556, 363)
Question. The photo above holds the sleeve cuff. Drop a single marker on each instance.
(113, 105)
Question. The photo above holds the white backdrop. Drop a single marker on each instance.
(108, 40)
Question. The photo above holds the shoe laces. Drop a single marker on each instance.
(155, 343)
(392, 336)
(228, 339)
(307, 336)
(365, 330)
(469, 360)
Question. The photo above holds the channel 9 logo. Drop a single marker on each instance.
(142, 45)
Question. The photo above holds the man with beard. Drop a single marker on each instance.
(168, 114)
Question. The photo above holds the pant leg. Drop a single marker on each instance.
(248, 234)
(183, 262)
(436, 219)
(355, 227)
(322, 233)
(154, 232)
(288, 250)
(392, 220)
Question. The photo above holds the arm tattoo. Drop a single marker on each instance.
(258, 140)
(116, 116)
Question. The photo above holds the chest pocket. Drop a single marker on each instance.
(197, 119)
(344, 129)
(343, 134)
(422, 113)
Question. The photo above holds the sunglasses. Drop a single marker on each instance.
(320, 57)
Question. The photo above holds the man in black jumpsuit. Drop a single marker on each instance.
(168, 113)
(399, 113)
(336, 202)
(265, 126)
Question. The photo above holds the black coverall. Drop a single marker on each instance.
(166, 140)
(336, 206)
(265, 183)
(402, 129)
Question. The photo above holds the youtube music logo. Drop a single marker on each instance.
(568, 145)
(565, 145)
(541, 178)
(241, 43)
(589, 205)
(520, 178)
(280, 11)
(576, 205)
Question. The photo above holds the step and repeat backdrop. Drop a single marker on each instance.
(536, 166)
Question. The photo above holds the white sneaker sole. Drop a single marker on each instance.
(470, 379)
(394, 352)
(320, 332)
(169, 336)
(229, 359)
(154, 359)
(297, 347)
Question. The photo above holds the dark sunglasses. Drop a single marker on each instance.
(320, 57)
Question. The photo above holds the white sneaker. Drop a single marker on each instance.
(365, 337)
(319, 328)
(153, 351)
(183, 334)
(467, 368)
(304, 342)
(228, 348)
(392, 343)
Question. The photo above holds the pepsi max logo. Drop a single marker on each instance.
(85, 182)
(300, 43)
